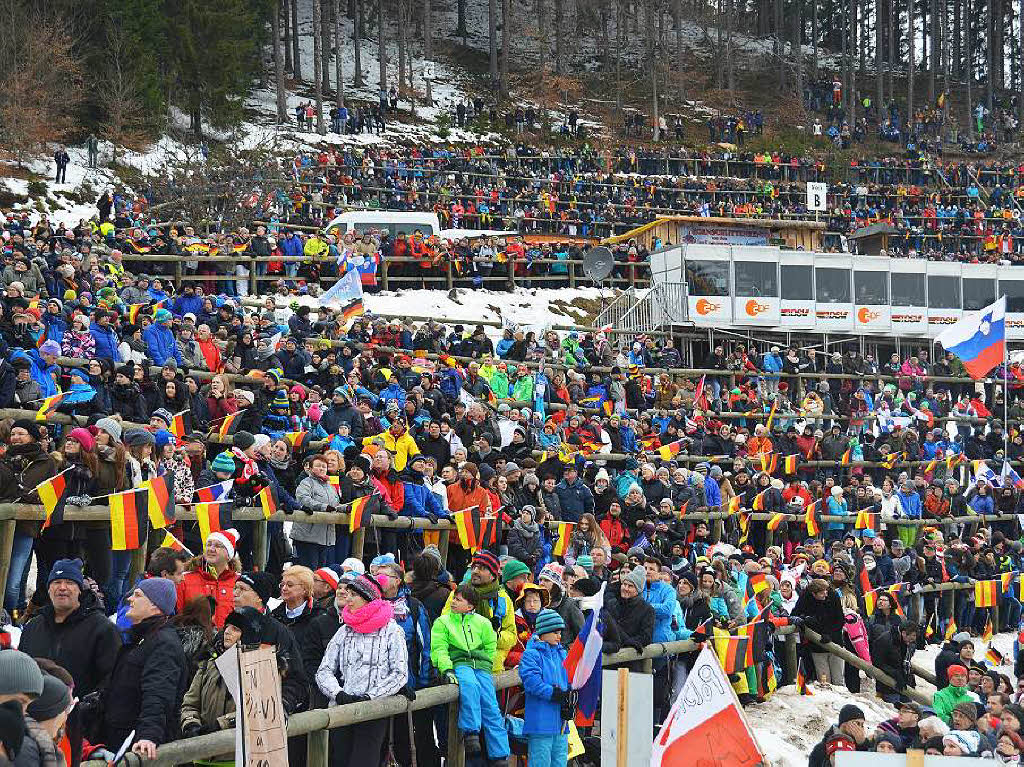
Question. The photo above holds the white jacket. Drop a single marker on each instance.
(375, 664)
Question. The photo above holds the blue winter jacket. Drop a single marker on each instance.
(542, 669)
(106, 342)
(416, 625)
(501, 349)
(420, 500)
(187, 305)
(982, 504)
(575, 500)
(662, 598)
(712, 492)
(291, 247)
(161, 344)
(393, 392)
(56, 326)
(43, 374)
(910, 503)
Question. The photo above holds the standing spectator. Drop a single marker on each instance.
(213, 575)
(148, 680)
(61, 158)
(546, 682)
(92, 145)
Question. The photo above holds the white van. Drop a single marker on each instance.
(404, 222)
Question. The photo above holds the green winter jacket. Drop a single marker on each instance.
(522, 389)
(948, 698)
(462, 640)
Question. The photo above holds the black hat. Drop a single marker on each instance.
(30, 426)
(849, 712)
(243, 440)
(249, 621)
(263, 583)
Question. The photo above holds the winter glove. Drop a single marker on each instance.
(191, 730)
(559, 696)
(391, 514)
(699, 636)
(330, 509)
(343, 697)
(796, 621)
(450, 678)
(432, 517)
(408, 692)
(636, 645)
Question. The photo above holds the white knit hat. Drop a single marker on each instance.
(226, 538)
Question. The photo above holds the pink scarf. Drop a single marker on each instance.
(369, 618)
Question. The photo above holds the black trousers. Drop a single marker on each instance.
(358, 745)
(427, 752)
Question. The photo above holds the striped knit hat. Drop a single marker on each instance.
(547, 621)
(368, 588)
(488, 561)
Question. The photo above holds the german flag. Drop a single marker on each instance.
(133, 312)
(950, 630)
(889, 460)
(160, 501)
(801, 679)
(178, 424)
(49, 406)
(769, 462)
(767, 682)
(128, 519)
(669, 451)
(682, 509)
(562, 543)
(607, 407)
(267, 502)
(170, 542)
(208, 517)
(847, 457)
(52, 493)
(756, 583)
(993, 656)
(731, 651)
(776, 521)
(771, 416)
(986, 593)
(467, 522)
(866, 520)
(734, 505)
(929, 630)
(928, 469)
(490, 531)
(870, 600)
(744, 524)
(986, 635)
(297, 439)
(789, 463)
(1006, 581)
(894, 594)
(811, 520)
(758, 503)
(361, 512)
(953, 460)
(228, 426)
(352, 309)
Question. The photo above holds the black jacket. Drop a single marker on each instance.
(824, 616)
(297, 626)
(85, 643)
(317, 636)
(892, 655)
(295, 682)
(948, 656)
(634, 618)
(146, 686)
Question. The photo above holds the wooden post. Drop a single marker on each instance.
(316, 748)
(6, 549)
(449, 283)
(621, 739)
(177, 272)
(261, 544)
(647, 665)
(716, 530)
(358, 542)
(254, 286)
(511, 274)
(792, 655)
(384, 274)
(442, 546)
(456, 753)
(571, 266)
(139, 560)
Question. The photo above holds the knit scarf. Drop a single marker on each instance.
(370, 617)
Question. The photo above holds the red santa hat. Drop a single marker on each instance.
(226, 538)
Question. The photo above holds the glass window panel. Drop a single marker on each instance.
(978, 293)
(871, 288)
(1014, 292)
(832, 285)
(943, 292)
(757, 278)
(907, 289)
(797, 282)
(707, 278)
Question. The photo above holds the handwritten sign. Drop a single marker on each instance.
(262, 718)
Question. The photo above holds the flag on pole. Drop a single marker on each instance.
(467, 522)
(866, 520)
(214, 492)
(993, 656)
(986, 593)
(208, 517)
(811, 520)
(561, 544)
(52, 494)
(846, 458)
(160, 501)
(978, 339)
(986, 635)
(297, 439)
(361, 512)
(49, 406)
(731, 651)
(801, 679)
(178, 424)
(789, 464)
(771, 415)
(950, 630)
(670, 450)
(776, 521)
(267, 502)
(128, 519)
(583, 662)
(228, 426)
(734, 504)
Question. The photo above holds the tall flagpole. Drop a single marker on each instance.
(1006, 400)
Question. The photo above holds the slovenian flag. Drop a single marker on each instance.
(583, 662)
(978, 339)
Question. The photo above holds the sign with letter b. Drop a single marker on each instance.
(817, 194)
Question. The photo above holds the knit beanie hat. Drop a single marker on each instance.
(328, 576)
(586, 562)
(587, 586)
(513, 569)
(368, 588)
(19, 674)
(263, 583)
(488, 561)
(552, 572)
(956, 668)
(67, 570)
(164, 415)
(138, 438)
(547, 621)
(356, 566)
(434, 553)
(55, 698)
(30, 426)
(226, 538)
(966, 740)
(849, 712)
(111, 426)
(161, 592)
(967, 709)
(275, 375)
(637, 576)
(249, 621)
(839, 742)
(243, 440)
(83, 438)
(223, 462)
(280, 400)
(12, 727)
(893, 740)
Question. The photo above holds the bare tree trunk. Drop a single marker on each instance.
(296, 58)
(969, 68)
(814, 38)
(492, 40)
(910, 63)
(619, 30)
(652, 64)
(720, 63)
(506, 45)
(559, 36)
(402, 32)
(1020, 70)
(879, 82)
(460, 25)
(796, 49)
(851, 69)
(681, 86)
(318, 93)
(275, 31)
(539, 10)
(779, 45)
(933, 56)
(339, 74)
(357, 31)
(286, 42)
(382, 48)
(894, 51)
(428, 43)
(325, 44)
(990, 61)
(957, 60)
(730, 71)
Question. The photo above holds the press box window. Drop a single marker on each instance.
(871, 288)
(943, 292)
(1014, 292)
(832, 285)
(756, 278)
(707, 278)
(907, 289)
(797, 283)
(978, 293)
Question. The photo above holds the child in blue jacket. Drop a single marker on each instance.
(546, 683)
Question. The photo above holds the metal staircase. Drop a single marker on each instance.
(664, 304)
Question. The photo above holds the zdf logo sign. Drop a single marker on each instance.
(753, 308)
(866, 315)
(705, 307)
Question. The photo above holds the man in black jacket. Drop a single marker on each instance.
(75, 633)
(891, 653)
(633, 615)
(147, 682)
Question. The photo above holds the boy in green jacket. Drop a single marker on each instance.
(462, 645)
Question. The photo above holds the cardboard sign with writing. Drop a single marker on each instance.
(262, 718)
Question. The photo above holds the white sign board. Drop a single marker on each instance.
(639, 695)
(817, 195)
(227, 664)
(429, 72)
(869, 759)
(706, 725)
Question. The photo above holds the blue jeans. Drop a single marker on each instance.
(312, 555)
(1009, 613)
(342, 547)
(548, 750)
(115, 588)
(21, 556)
(478, 707)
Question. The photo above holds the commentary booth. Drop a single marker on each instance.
(737, 287)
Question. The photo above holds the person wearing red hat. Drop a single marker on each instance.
(955, 693)
(325, 587)
(213, 575)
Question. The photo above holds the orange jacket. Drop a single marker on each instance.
(200, 583)
(459, 499)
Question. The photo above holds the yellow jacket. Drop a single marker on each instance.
(401, 448)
